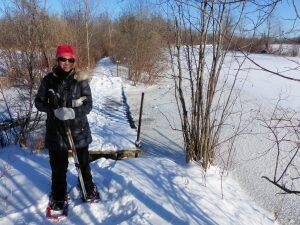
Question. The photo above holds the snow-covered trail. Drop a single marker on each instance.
(108, 119)
(157, 188)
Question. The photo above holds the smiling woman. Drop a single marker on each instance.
(67, 126)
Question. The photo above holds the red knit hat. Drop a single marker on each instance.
(65, 50)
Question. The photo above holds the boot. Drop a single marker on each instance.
(93, 194)
(58, 205)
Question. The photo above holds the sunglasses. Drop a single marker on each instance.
(70, 60)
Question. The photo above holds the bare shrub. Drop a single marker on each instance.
(36, 142)
(205, 94)
(139, 45)
(4, 173)
(102, 41)
(25, 62)
(295, 50)
(5, 81)
(84, 27)
(254, 45)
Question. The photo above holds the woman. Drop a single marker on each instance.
(66, 98)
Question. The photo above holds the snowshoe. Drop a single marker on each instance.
(92, 194)
(57, 209)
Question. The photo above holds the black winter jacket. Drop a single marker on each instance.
(71, 87)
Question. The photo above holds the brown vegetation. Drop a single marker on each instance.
(138, 43)
(29, 37)
(134, 39)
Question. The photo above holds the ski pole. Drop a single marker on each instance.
(74, 154)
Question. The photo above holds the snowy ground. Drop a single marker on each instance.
(149, 190)
(157, 188)
(260, 91)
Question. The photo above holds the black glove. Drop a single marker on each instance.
(55, 100)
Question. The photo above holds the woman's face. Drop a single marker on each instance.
(66, 63)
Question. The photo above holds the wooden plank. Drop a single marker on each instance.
(113, 154)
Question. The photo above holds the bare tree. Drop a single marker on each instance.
(283, 123)
(87, 28)
(139, 45)
(104, 31)
(26, 61)
(197, 62)
(80, 16)
(284, 132)
(206, 95)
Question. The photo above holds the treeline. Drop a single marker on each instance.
(134, 39)
(29, 36)
(265, 44)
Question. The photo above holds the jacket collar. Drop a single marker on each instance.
(61, 75)
(73, 74)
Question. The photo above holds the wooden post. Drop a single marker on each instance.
(138, 141)
(117, 67)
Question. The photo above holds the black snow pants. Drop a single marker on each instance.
(59, 167)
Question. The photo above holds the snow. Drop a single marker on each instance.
(156, 188)
(149, 190)
(265, 88)
(260, 92)
(286, 49)
(108, 120)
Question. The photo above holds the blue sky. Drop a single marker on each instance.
(283, 12)
(113, 8)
